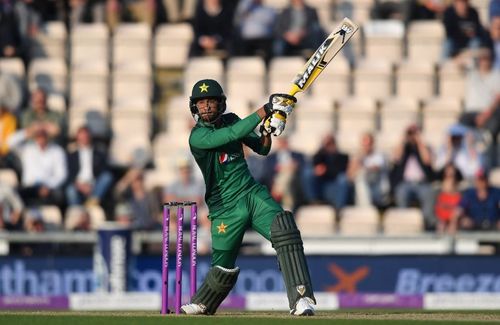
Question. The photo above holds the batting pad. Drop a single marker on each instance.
(216, 287)
(286, 240)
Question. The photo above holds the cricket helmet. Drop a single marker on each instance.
(207, 88)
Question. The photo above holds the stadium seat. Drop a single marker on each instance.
(239, 106)
(131, 43)
(403, 221)
(202, 68)
(131, 81)
(171, 45)
(384, 39)
(276, 4)
(57, 103)
(313, 115)
(494, 177)
(425, 40)
(50, 41)
(90, 83)
(396, 114)
(305, 142)
(159, 178)
(335, 81)
(14, 67)
(51, 214)
(357, 115)
(415, 79)
(324, 10)
(439, 114)
(373, 79)
(282, 71)
(126, 151)
(73, 213)
(96, 120)
(355, 221)
(178, 117)
(129, 118)
(49, 73)
(451, 80)
(8, 177)
(89, 44)
(316, 220)
(246, 77)
(360, 10)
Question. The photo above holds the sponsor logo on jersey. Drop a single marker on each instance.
(225, 159)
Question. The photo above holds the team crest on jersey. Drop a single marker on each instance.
(225, 159)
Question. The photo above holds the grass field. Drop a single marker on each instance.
(251, 318)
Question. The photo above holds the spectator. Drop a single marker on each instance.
(89, 177)
(9, 96)
(413, 174)
(495, 41)
(145, 210)
(212, 27)
(254, 22)
(187, 188)
(480, 206)
(329, 180)
(447, 199)
(370, 170)
(10, 40)
(284, 174)
(460, 151)
(39, 116)
(482, 101)
(11, 208)
(387, 9)
(44, 168)
(463, 28)
(494, 9)
(297, 29)
(11, 93)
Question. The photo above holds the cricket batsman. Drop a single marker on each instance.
(237, 202)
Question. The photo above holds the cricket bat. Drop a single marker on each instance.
(323, 55)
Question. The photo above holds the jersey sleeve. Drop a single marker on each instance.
(206, 138)
(253, 141)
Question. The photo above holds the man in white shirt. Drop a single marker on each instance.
(43, 166)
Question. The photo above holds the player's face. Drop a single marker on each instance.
(208, 109)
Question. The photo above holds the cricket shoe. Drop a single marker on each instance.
(303, 307)
(193, 309)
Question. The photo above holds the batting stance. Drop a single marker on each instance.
(237, 202)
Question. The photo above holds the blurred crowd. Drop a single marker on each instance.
(450, 185)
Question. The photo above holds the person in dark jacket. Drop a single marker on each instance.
(89, 178)
(463, 28)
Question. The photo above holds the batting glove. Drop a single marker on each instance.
(280, 102)
(274, 124)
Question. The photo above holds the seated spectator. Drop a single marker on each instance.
(89, 178)
(212, 25)
(297, 29)
(11, 208)
(145, 210)
(447, 199)
(387, 9)
(494, 41)
(482, 102)
(370, 171)
(463, 28)
(40, 116)
(254, 22)
(8, 124)
(10, 40)
(111, 12)
(284, 174)
(44, 168)
(329, 182)
(188, 188)
(480, 206)
(460, 151)
(413, 174)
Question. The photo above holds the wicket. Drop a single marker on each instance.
(179, 245)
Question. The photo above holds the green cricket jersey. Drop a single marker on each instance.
(218, 152)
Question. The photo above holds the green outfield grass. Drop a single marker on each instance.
(250, 318)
